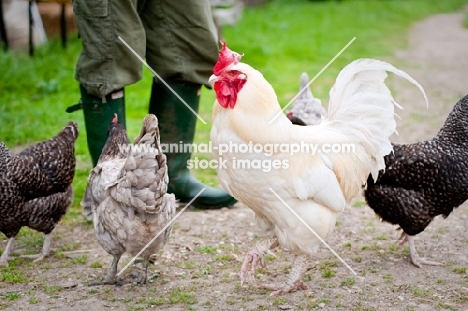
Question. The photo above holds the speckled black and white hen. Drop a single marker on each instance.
(424, 180)
(35, 187)
(126, 196)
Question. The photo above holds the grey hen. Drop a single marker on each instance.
(306, 109)
(35, 187)
(424, 180)
(126, 195)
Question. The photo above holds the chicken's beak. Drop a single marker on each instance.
(213, 79)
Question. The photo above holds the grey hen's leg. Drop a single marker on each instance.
(111, 276)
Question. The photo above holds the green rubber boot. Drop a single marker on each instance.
(98, 114)
(177, 123)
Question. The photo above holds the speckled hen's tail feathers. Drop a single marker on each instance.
(144, 179)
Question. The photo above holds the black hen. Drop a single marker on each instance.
(35, 187)
(424, 180)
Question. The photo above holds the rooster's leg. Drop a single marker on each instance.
(294, 281)
(415, 259)
(255, 255)
(45, 249)
(6, 252)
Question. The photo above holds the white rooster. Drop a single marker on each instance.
(317, 186)
(126, 195)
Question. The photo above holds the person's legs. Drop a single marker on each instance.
(182, 48)
(106, 65)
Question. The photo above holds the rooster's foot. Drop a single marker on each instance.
(251, 259)
(255, 256)
(284, 288)
(293, 283)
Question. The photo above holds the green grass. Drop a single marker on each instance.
(459, 270)
(81, 260)
(96, 264)
(281, 39)
(465, 20)
(12, 275)
(184, 295)
(206, 249)
(348, 282)
(33, 300)
(11, 296)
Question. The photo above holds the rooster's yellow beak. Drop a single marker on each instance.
(213, 79)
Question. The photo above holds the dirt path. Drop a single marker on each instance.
(198, 269)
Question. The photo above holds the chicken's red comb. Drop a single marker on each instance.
(289, 115)
(115, 119)
(226, 58)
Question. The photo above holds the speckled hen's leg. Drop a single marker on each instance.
(45, 249)
(294, 281)
(403, 237)
(415, 259)
(6, 252)
(255, 255)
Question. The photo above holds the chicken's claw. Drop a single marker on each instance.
(255, 256)
(415, 259)
(284, 288)
(36, 257)
(251, 259)
(403, 237)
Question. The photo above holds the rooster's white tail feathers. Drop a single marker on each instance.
(361, 99)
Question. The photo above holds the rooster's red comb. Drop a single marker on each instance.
(226, 58)
(115, 119)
